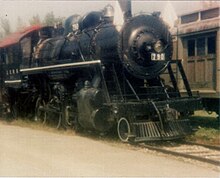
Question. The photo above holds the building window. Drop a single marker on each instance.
(189, 18)
(191, 47)
(211, 45)
(211, 13)
(200, 46)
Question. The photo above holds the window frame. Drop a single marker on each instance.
(206, 53)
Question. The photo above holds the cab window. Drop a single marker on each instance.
(26, 50)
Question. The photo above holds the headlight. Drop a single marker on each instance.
(159, 46)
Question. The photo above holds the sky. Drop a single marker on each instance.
(25, 9)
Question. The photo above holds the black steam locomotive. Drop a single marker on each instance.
(98, 78)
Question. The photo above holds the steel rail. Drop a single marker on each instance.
(185, 155)
(217, 148)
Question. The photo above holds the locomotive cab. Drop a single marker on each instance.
(16, 53)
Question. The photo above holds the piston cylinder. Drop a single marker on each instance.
(92, 115)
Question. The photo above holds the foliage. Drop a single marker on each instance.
(198, 121)
(35, 20)
(5, 25)
(206, 129)
(51, 20)
(1, 35)
(207, 136)
(20, 23)
(207, 133)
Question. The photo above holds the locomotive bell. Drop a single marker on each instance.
(108, 11)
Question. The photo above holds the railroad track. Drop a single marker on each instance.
(200, 152)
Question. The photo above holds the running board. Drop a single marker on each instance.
(150, 131)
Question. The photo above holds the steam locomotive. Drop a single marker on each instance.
(98, 78)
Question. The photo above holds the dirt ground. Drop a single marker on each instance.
(29, 152)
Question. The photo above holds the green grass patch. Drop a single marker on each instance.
(206, 128)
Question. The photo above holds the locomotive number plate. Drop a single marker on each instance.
(157, 57)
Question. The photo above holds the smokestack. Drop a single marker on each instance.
(126, 8)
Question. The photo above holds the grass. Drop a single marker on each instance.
(206, 128)
(37, 126)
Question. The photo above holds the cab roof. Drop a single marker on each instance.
(14, 38)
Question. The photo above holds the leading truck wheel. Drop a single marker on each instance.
(123, 129)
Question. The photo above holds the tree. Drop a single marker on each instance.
(35, 20)
(5, 25)
(51, 20)
(1, 35)
(20, 23)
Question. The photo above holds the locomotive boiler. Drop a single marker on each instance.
(100, 78)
